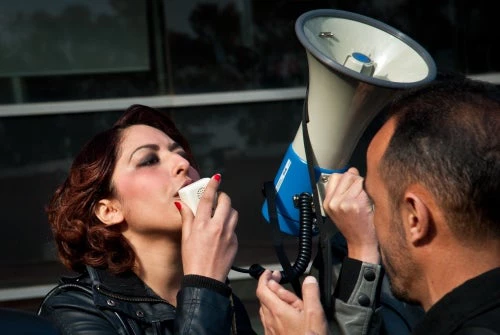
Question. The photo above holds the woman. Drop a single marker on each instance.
(146, 264)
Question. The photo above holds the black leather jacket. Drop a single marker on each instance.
(98, 302)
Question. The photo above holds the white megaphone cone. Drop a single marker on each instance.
(356, 64)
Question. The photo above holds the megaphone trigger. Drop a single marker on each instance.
(322, 182)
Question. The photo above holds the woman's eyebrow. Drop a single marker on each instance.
(174, 146)
(154, 147)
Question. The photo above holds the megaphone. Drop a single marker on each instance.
(356, 65)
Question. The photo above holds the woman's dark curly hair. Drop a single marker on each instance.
(81, 238)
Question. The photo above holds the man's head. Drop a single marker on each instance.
(437, 158)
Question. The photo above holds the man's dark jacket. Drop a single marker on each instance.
(470, 309)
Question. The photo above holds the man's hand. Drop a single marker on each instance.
(282, 312)
(349, 207)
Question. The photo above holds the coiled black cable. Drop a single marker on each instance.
(306, 220)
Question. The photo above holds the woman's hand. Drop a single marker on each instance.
(350, 208)
(209, 242)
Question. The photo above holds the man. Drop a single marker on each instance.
(433, 180)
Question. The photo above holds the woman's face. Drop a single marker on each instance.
(150, 170)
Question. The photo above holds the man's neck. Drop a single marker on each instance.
(449, 266)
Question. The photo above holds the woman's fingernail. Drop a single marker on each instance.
(217, 177)
(178, 205)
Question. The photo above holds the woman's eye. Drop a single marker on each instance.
(149, 160)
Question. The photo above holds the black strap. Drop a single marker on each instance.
(270, 194)
(326, 229)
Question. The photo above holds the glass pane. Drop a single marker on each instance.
(52, 37)
(68, 50)
(231, 45)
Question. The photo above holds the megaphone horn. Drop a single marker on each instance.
(356, 64)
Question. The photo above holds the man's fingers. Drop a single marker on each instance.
(262, 285)
(267, 295)
(264, 318)
(285, 295)
(276, 275)
(315, 315)
(353, 170)
(345, 184)
(310, 293)
(338, 184)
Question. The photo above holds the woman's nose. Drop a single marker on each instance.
(181, 164)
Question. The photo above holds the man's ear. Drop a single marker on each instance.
(109, 212)
(417, 216)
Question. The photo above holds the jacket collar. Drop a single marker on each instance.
(126, 284)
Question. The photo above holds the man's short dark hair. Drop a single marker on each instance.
(447, 138)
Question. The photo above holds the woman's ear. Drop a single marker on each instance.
(417, 216)
(109, 211)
